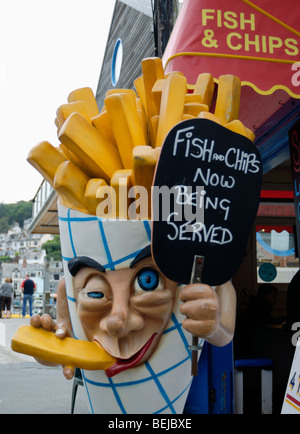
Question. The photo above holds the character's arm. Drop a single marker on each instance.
(210, 313)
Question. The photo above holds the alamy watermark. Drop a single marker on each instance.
(296, 336)
(296, 75)
(181, 202)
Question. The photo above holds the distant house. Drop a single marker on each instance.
(19, 244)
(53, 274)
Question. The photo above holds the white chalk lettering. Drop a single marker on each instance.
(241, 161)
(185, 197)
(214, 179)
(198, 232)
(187, 146)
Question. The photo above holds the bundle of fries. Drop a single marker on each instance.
(103, 154)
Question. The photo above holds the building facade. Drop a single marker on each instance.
(19, 244)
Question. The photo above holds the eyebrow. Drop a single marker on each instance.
(141, 255)
(76, 264)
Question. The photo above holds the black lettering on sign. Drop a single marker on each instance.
(213, 177)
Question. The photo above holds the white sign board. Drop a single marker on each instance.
(291, 403)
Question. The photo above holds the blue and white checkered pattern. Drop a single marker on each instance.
(160, 385)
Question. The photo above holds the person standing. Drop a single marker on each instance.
(6, 296)
(27, 287)
(12, 298)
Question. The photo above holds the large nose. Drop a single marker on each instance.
(122, 320)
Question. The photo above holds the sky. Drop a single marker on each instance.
(47, 50)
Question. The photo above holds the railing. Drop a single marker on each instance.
(44, 192)
(43, 199)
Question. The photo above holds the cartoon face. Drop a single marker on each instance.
(125, 311)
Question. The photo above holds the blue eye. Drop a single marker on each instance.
(148, 279)
(95, 294)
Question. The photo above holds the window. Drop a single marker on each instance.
(116, 64)
(275, 246)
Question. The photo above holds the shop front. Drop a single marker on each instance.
(258, 42)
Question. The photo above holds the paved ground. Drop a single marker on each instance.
(26, 387)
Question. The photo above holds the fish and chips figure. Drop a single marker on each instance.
(119, 319)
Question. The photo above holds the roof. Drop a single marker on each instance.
(144, 6)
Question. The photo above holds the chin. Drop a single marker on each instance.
(137, 359)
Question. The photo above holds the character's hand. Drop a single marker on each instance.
(201, 307)
(61, 331)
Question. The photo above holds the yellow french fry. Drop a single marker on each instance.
(210, 116)
(143, 118)
(121, 182)
(205, 87)
(44, 345)
(156, 92)
(65, 110)
(238, 127)
(186, 117)
(250, 134)
(140, 90)
(144, 163)
(86, 95)
(126, 125)
(152, 69)
(192, 97)
(107, 202)
(153, 127)
(157, 152)
(71, 183)
(228, 99)
(194, 108)
(57, 124)
(90, 194)
(144, 124)
(69, 155)
(45, 158)
(89, 145)
(172, 104)
(173, 72)
(130, 92)
(102, 123)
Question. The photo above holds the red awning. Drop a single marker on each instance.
(257, 41)
(277, 228)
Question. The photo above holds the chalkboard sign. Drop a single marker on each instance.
(294, 139)
(205, 197)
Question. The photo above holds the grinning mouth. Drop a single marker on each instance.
(123, 364)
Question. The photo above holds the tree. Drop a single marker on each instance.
(14, 213)
(53, 249)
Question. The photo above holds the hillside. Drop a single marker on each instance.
(14, 212)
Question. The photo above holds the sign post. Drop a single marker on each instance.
(204, 200)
